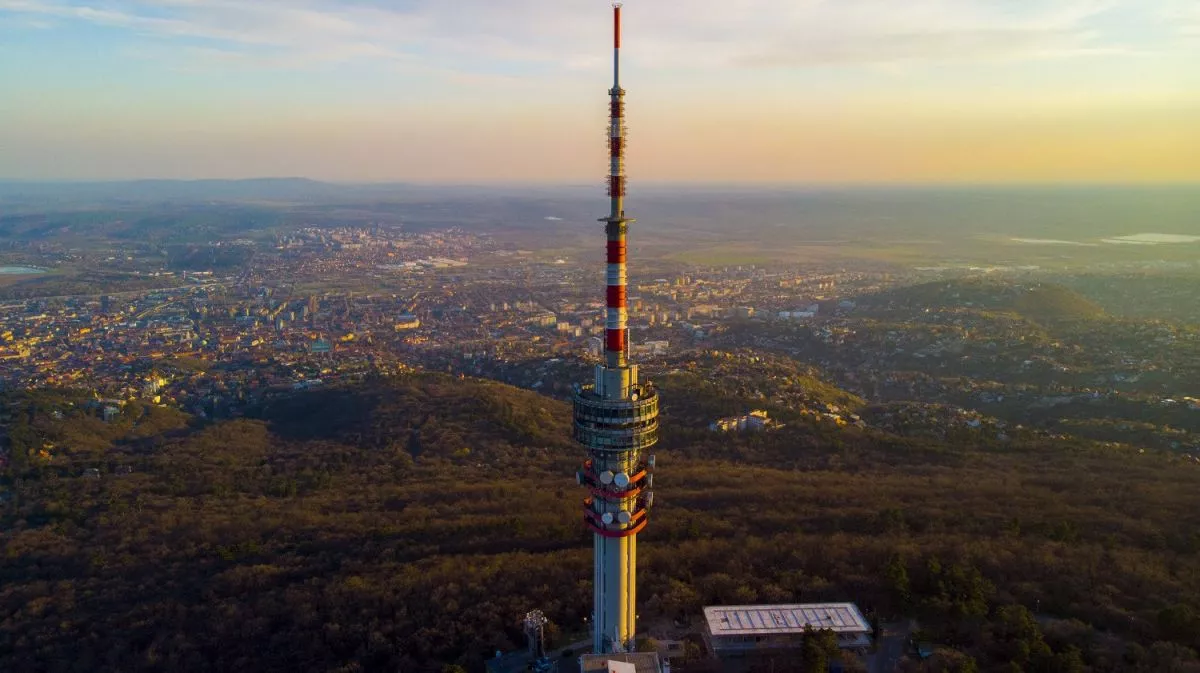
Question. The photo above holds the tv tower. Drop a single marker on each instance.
(616, 419)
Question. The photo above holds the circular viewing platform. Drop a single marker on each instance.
(616, 425)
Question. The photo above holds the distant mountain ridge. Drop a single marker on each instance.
(196, 190)
(720, 225)
(296, 189)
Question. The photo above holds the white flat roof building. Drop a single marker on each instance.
(733, 629)
(634, 662)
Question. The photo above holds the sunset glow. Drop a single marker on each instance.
(475, 91)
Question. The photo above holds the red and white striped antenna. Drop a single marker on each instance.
(616, 318)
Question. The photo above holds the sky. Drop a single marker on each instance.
(480, 91)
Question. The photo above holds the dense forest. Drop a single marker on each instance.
(409, 523)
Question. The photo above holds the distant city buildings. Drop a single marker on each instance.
(755, 421)
(809, 311)
(652, 348)
(313, 308)
(406, 321)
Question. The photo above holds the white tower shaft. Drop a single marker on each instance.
(616, 420)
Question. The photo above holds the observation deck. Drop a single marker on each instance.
(616, 425)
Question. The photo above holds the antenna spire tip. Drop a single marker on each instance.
(616, 25)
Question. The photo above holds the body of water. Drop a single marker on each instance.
(19, 270)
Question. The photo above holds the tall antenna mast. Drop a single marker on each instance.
(616, 418)
(616, 323)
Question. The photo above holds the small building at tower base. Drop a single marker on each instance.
(632, 662)
(745, 630)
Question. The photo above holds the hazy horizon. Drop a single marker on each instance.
(948, 185)
(773, 92)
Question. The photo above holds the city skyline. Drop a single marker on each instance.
(769, 91)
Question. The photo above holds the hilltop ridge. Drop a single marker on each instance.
(1035, 301)
(426, 415)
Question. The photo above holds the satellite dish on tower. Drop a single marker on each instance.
(607, 518)
(621, 480)
(606, 477)
(623, 516)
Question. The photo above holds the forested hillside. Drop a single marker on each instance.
(1035, 301)
(410, 523)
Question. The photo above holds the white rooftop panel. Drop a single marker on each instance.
(742, 620)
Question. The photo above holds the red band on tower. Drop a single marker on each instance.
(616, 252)
(617, 27)
(614, 340)
(616, 296)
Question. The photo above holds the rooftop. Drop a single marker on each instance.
(742, 620)
(643, 662)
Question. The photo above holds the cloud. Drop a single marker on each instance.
(1051, 241)
(567, 35)
(22, 22)
(1185, 16)
(985, 44)
(313, 33)
(820, 32)
(1151, 239)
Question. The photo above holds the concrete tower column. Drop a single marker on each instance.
(616, 419)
